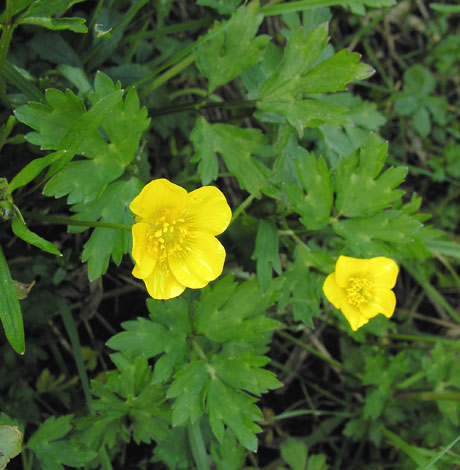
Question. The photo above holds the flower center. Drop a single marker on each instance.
(166, 237)
(359, 291)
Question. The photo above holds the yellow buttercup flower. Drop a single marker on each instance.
(174, 244)
(361, 288)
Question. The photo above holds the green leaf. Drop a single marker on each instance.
(236, 146)
(66, 125)
(174, 451)
(189, 388)
(77, 25)
(375, 403)
(84, 180)
(106, 243)
(301, 52)
(227, 312)
(77, 77)
(34, 168)
(448, 9)
(21, 231)
(228, 455)
(175, 316)
(49, 7)
(421, 121)
(266, 253)
(229, 407)
(55, 49)
(302, 288)
(224, 7)
(141, 336)
(235, 49)
(389, 226)
(415, 455)
(357, 6)
(10, 444)
(40, 12)
(10, 310)
(314, 202)
(245, 372)
(406, 104)
(307, 113)
(143, 400)
(297, 73)
(166, 333)
(14, 77)
(418, 81)
(52, 450)
(358, 174)
(294, 453)
(335, 73)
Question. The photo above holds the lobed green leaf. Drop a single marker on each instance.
(236, 146)
(358, 174)
(266, 253)
(314, 202)
(233, 50)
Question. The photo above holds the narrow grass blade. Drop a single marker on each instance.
(10, 310)
(71, 329)
(430, 464)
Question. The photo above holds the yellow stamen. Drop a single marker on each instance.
(166, 237)
(359, 291)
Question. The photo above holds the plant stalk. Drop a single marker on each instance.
(82, 223)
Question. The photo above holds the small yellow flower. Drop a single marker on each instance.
(361, 288)
(174, 244)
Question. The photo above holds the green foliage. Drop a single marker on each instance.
(66, 125)
(40, 13)
(10, 310)
(105, 243)
(235, 49)
(315, 162)
(21, 231)
(416, 101)
(218, 379)
(359, 173)
(52, 450)
(315, 206)
(295, 453)
(10, 444)
(299, 73)
(236, 147)
(266, 253)
(128, 394)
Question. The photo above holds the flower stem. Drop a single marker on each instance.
(164, 77)
(242, 206)
(308, 348)
(81, 223)
(197, 446)
(198, 105)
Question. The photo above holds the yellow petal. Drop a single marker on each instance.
(383, 271)
(333, 292)
(354, 316)
(385, 299)
(370, 310)
(207, 210)
(161, 284)
(201, 260)
(143, 256)
(156, 198)
(347, 267)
